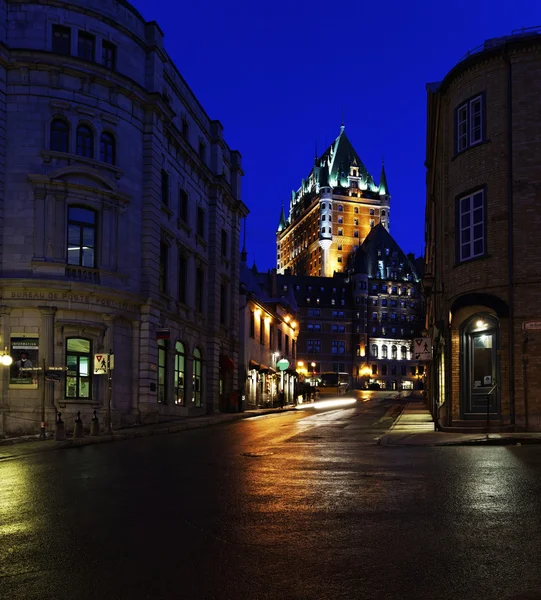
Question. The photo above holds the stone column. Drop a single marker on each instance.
(4, 343)
(46, 351)
(136, 360)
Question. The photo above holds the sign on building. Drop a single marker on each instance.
(531, 325)
(101, 362)
(422, 348)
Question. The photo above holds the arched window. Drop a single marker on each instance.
(340, 208)
(107, 148)
(81, 237)
(394, 352)
(180, 373)
(374, 350)
(384, 351)
(197, 377)
(59, 136)
(85, 141)
(78, 361)
(403, 352)
(382, 213)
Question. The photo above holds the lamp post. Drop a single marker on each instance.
(313, 365)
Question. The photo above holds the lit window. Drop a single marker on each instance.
(78, 361)
(180, 373)
(81, 237)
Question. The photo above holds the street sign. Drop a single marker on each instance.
(422, 348)
(53, 376)
(531, 325)
(100, 364)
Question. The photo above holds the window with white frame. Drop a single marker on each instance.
(471, 226)
(314, 346)
(469, 123)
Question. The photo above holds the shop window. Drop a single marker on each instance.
(180, 373)
(79, 361)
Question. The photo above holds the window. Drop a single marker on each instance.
(196, 377)
(384, 351)
(384, 369)
(81, 237)
(403, 370)
(223, 304)
(469, 123)
(314, 346)
(340, 208)
(340, 220)
(356, 233)
(108, 55)
(374, 351)
(372, 212)
(199, 289)
(200, 222)
(78, 361)
(314, 312)
(279, 339)
(374, 369)
(271, 336)
(107, 148)
(202, 150)
(162, 372)
(182, 278)
(355, 221)
(339, 259)
(252, 324)
(180, 373)
(85, 141)
(340, 232)
(471, 226)
(86, 44)
(287, 344)
(59, 136)
(165, 188)
(371, 222)
(261, 330)
(224, 243)
(61, 40)
(356, 210)
(183, 205)
(394, 352)
(339, 248)
(338, 347)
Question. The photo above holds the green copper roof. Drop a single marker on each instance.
(383, 187)
(282, 223)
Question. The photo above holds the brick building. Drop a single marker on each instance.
(331, 213)
(120, 215)
(482, 223)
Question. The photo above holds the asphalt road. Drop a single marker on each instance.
(298, 505)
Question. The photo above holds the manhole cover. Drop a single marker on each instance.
(256, 454)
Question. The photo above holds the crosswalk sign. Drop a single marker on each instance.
(422, 348)
(101, 364)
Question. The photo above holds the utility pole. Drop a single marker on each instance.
(42, 429)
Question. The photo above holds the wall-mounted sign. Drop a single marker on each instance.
(282, 364)
(531, 325)
(25, 354)
(101, 364)
(422, 348)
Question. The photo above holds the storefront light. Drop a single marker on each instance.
(6, 360)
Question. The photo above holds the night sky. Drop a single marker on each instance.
(278, 75)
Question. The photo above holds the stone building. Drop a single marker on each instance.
(119, 223)
(331, 213)
(362, 321)
(482, 227)
(268, 334)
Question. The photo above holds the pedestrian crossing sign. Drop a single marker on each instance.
(101, 364)
(422, 348)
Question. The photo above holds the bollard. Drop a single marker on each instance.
(60, 431)
(95, 425)
(78, 430)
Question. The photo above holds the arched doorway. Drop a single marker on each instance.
(480, 341)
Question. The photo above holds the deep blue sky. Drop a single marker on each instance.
(277, 75)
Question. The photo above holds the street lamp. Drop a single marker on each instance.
(5, 358)
(313, 365)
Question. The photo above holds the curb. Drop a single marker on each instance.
(124, 435)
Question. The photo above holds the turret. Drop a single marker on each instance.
(283, 223)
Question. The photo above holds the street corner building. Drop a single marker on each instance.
(482, 237)
(119, 224)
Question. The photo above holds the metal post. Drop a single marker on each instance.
(42, 435)
(109, 428)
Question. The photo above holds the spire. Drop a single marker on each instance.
(315, 155)
(342, 127)
(254, 268)
(383, 187)
(244, 254)
(282, 223)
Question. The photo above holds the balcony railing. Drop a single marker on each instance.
(500, 41)
(83, 274)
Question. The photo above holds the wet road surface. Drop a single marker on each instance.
(298, 505)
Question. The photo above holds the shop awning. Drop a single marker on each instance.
(252, 365)
(226, 363)
(265, 369)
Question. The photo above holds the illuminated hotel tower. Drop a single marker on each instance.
(331, 213)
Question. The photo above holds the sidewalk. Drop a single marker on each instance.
(415, 427)
(16, 447)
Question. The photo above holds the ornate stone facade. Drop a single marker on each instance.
(120, 215)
